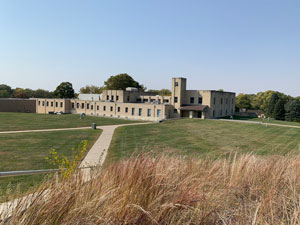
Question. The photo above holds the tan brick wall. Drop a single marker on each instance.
(53, 105)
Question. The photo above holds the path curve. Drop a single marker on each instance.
(95, 157)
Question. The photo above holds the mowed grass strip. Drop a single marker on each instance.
(27, 151)
(205, 138)
(32, 121)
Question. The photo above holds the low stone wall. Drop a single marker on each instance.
(18, 105)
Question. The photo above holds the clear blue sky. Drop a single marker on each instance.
(242, 46)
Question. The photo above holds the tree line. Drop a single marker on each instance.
(274, 104)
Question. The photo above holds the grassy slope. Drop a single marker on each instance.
(204, 137)
(31, 121)
(26, 151)
(264, 120)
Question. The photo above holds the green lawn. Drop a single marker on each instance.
(27, 151)
(204, 138)
(264, 120)
(32, 121)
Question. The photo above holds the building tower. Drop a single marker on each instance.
(178, 93)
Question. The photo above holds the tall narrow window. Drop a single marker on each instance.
(117, 98)
(214, 101)
(112, 98)
(104, 108)
(192, 100)
(73, 105)
(111, 108)
(82, 105)
(56, 104)
(158, 113)
(200, 100)
(61, 104)
(39, 103)
(52, 104)
(140, 111)
(176, 84)
(87, 106)
(132, 111)
(149, 112)
(47, 103)
(107, 97)
(92, 107)
(77, 105)
(119, 109)
(126, 109)
(175, 99)
(97, 107)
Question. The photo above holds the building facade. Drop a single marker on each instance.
(17, 105)
(135, 104)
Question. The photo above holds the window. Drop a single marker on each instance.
(73, 105)
(140, 111)
(77, 105)
(111, 108)
(97, 107)
(87, 106)
(117, 98)
(51, 103)
(104, 108)
(175, 99)
(149, 112)
(176, 84)
(82, 105)
(200, 100)
(43, 103)
(126, 109)
(132, 111)
(107, 97)
(56, 104)
(175, 111)
(61, 104)
(214, 113)
(158, 113)
(112, 98)
(192, 100)
(221, 101)
(214, 101)
(47, 103)
(92, 107)
(39, 102)
(119, 109)
(166, 100)
(128, 98)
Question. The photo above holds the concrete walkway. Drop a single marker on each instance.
(95, 157)
(257, 122)
(44, 130)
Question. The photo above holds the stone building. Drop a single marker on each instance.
(135, 104)
(17, 105)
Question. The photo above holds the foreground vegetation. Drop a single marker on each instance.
(174, 190)
(32, 121)
(27, 151)
(205, 138)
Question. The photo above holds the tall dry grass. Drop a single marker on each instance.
(175, 190)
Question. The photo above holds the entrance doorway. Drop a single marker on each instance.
(199, 115)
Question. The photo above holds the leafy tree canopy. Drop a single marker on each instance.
(91, 89)
(163, 92)
(64, 90)
(292, 109)
(279, 112)
(5, 91)
(121, 82)
(243, 101)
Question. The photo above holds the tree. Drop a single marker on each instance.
(272, 103)
(121, 82)
(279, 112)
(162, 92)
(243, 101)
(5, 91)
(64, 90)
(91, 89)
(40, 93)
(292, 111)
(22, 93)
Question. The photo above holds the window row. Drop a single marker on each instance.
(111, 109)
(221, 101)
(51, 103)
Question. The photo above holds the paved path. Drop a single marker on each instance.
(43, 130)
(95, 157)
(257, 122)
